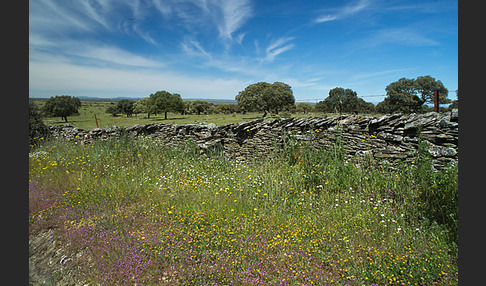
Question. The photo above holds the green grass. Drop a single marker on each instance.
(139, 212)
(86, 118)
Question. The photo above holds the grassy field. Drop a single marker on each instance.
(138, 212)
(86, 120)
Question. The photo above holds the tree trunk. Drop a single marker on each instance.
(264, 113)
(65, 118)
(165, 116)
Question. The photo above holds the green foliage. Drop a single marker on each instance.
(226, 108)
(437, 192)
(198, 107)
(409, 95)
(164, 102)
(125, 106)
(344, 101)
(304, 107)
(37, 128)
(263, 96)
(143, 106)
(62, 106)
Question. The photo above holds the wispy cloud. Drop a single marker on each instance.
(96, 11)
(344, 12)
(226, 16)
(234, 14)
(194, 48)
(277, 47)
(401, 36)
(92, 53)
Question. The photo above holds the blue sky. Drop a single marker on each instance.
(215, 48)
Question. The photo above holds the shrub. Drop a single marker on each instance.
(37, 128)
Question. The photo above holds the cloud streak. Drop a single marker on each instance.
(225, 16)
(400, 36)
(235, 13)
(277, 47)
(344, 12)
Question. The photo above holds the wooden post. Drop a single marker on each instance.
(96, 119)
(436, 100)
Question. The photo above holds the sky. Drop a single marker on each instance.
(212, 49)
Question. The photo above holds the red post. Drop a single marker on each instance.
(96, 119)
(436, 100)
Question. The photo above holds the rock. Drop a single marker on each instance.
(455, 115)
(388, 137)
(414, 122)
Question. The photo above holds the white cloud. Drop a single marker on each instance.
(402, 36)
(344, 12)
(194, 48)
(234, 15)
(64, 78)
(226, 16)
(117, 56)
(41, 49)
(277, 47)
(96, 13)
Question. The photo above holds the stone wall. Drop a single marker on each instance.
(391, 137)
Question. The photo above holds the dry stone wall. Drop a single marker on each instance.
(390, 138)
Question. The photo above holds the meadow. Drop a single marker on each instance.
(137, 212)
(86, 120)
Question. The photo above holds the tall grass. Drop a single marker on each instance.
(136, 211)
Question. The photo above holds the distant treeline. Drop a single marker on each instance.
(402, 96)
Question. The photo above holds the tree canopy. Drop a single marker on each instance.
(125, 106)
(409, 95)
(266, 97)
(164, 101)
(63, 106)
(198, 107)
(344, 101)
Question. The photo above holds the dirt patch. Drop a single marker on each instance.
(48, 262)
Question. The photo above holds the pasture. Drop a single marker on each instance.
(138, 212)
(86, 120)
